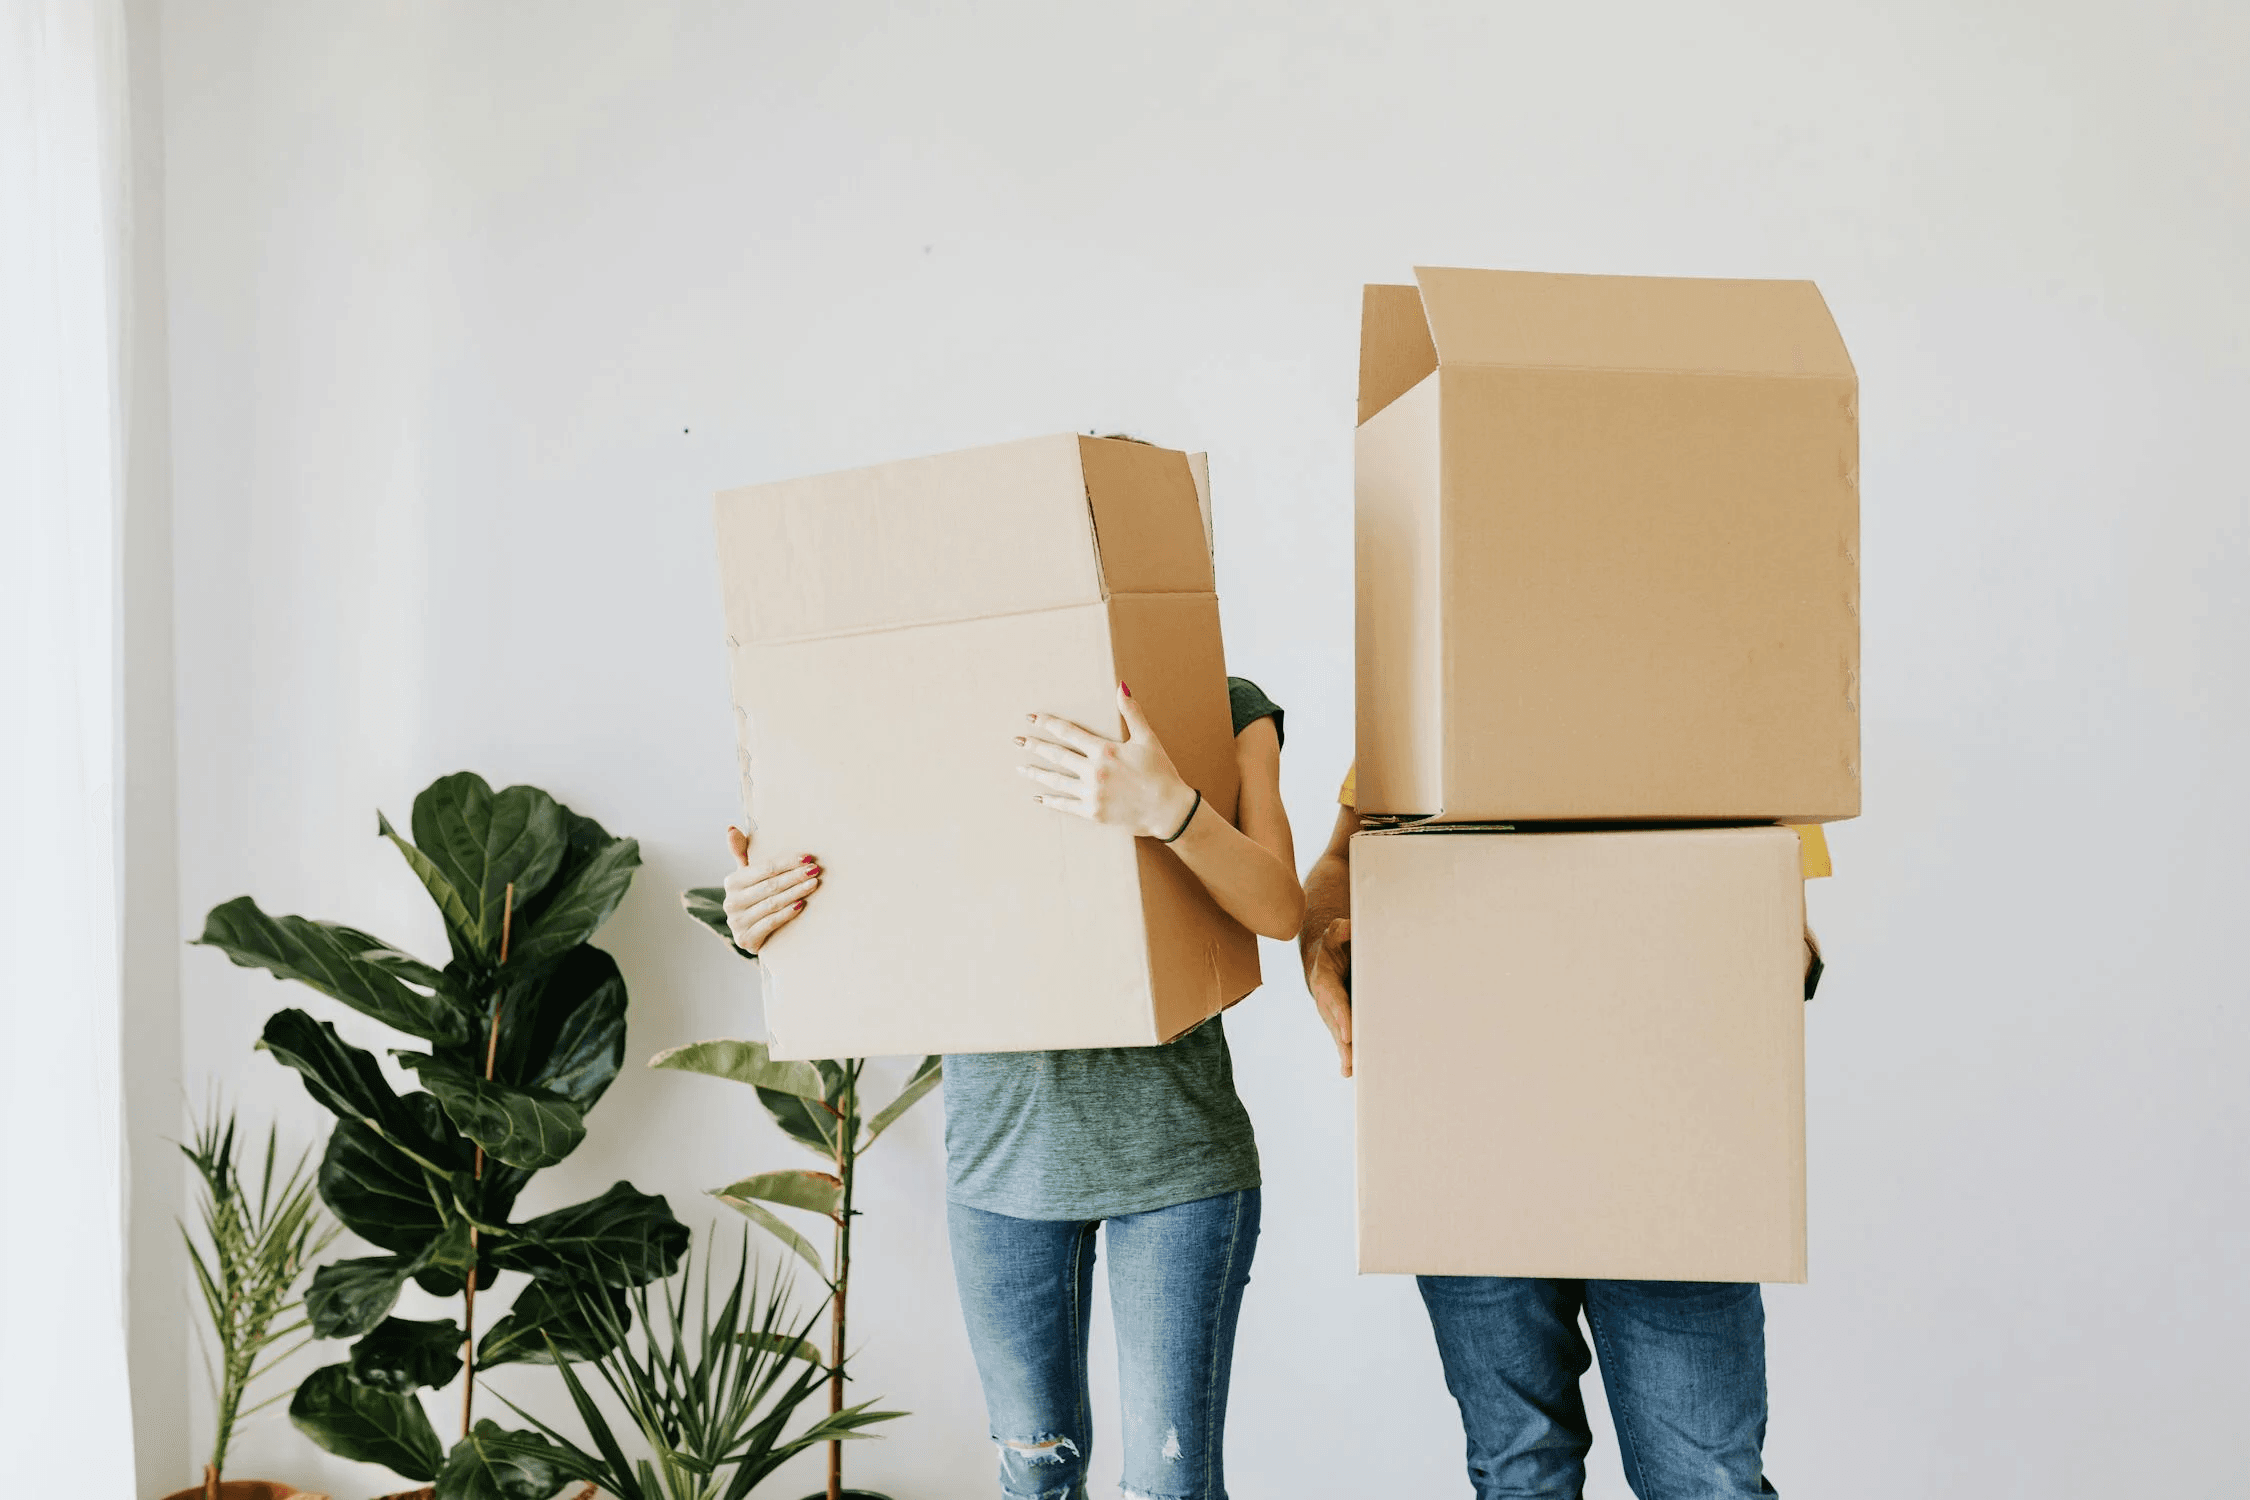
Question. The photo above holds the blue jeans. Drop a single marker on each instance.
(1175, 1288)
(1684, 1363)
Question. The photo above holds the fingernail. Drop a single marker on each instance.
(1019, 739)
(1128, 692)
(806, 860)
(816, 869)
(800, 906)
(1031, 718)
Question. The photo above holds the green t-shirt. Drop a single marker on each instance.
(1103, 1131)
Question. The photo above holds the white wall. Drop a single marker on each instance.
(474, 306)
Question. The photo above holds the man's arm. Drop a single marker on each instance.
(1325, 942)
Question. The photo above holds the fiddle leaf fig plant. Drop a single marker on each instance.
(522, 1030)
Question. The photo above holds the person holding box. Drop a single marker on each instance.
(1045, 1148)
(1683, 1361)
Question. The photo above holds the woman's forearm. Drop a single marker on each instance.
(1247, 880)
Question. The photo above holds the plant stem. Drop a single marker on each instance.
(469, 1292)
(847, 1160)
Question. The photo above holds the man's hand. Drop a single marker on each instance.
(1328, 974)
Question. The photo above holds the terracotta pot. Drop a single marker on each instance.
(248, 1489)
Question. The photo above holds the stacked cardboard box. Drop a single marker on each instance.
(887, 631)
(1607, 536)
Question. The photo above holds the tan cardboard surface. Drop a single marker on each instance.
(888, 631)
(1641, 513)
(1580, 1054)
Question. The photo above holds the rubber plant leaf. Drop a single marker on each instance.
(369, 1426)
(595, 872)
(338, 961)
(492, 1463)
(707, 904)
(803, 1120)
(402, 1355)
(765, 1219)
(548, 1317)
(346, 1081)
(529, 1128)
(786, 1345)
(924, 1078)
(625, 1237)
(745, 1062)
(482, 842)
(817, 1191)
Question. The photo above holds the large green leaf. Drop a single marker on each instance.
(547, 1310)
(765, 1219)
(376, 1190)
(707, 904)
(481, 841)
(494, 1464)
(458, 918)
(923, 1079)
(562, 1026)
(362, 971)
(803, 1120)
(745, 1062)
(346, 1081)
(403, 1354)
(817, 1191)
(529, 1128)
(623, 1238)
(350, 1297)
(375, 1427)
(583, 897)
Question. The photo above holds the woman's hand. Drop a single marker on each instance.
(1128, 784)
(766, 897)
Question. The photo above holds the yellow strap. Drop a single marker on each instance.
(1812, 845)
(1348, 794)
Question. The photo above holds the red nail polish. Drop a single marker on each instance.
(806, 860)
(1123, 688)
(816, 869)
(800, 906)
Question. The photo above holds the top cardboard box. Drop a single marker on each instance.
(887, 630)
(1607, 550)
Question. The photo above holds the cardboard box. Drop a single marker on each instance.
(888, 630)
(1580, 1054)
(1607, 551)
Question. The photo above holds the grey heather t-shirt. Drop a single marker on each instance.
(1098, 1132)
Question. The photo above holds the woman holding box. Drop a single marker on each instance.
(1044, 1148)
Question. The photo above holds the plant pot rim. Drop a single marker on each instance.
(249, 1489)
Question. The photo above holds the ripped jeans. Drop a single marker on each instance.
(1175, 1289)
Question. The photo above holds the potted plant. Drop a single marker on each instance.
(524, 1030)
(818, 1104)
(257, 1247)
(707, 1393)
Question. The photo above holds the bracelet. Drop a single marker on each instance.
(1193, 808)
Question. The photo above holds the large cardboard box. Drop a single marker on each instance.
(1607, 550)
(1580, 1054)
(888, 630)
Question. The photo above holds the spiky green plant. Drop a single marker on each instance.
(257, 1247)
(708, 1393)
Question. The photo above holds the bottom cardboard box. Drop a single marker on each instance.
(1580, 1054)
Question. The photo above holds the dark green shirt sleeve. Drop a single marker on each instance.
(1251, 704)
